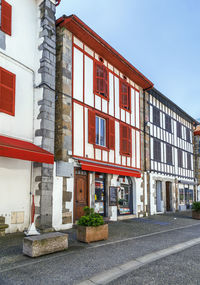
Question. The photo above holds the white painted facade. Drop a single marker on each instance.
(21, 56)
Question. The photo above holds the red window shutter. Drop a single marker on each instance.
(7, 92)
(91, 127)
(129, 140)
(112, 134)
(100, 79)
(124, 95)
(125, 140)
(6, 17)
(105, 83)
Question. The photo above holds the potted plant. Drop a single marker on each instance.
(91, 227)
(196, 210)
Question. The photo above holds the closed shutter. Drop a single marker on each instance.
(112, 134)
(105, 83)
(91, 127)
(7, 92)
(99, 78)
(129, 141)
(125, 140)
(6, 17)
(124, 95)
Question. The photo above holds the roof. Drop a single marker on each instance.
(170, 104)
(95, 42)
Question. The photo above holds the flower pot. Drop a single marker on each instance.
(90, 234)
(196, 215)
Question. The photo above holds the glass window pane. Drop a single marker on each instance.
(97, 130)
(102, 132)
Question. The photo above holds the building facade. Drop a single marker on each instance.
(27, 106)
(169, 153)
(197, 159)
(98, 128)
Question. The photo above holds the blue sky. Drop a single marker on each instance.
(159, 37)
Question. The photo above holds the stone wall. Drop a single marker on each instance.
(45, 129)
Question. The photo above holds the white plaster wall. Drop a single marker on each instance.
(137, 102)
(78, 75)
(15, 188)
(20, 125)
(111, 95)
(117, 146)
(89, 97)
(116, 97)
(89, 148)
(78, 129)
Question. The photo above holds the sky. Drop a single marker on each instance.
(161, 38)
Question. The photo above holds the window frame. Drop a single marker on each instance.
(180, 158)
(167, 123)
(155, 116)
(179, 132)
(188, 137)
(105, 82)
(169, 162)
(189, 162)
(121, 82)
(99, 134)
(158, 158)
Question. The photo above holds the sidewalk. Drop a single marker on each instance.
(128, 239)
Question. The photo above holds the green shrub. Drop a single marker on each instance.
(91, 219)
(196, 206)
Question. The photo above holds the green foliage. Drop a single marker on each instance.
(91, 219)
(196, 206)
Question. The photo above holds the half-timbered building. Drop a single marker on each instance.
(197, 160)
(98, 128)
(169, 143)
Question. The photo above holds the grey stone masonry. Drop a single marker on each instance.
(46, 113)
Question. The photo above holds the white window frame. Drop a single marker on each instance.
(98, 132)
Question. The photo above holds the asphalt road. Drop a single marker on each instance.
(182, 268)
(127, 240)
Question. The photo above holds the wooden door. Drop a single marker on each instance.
(80, 193)
(168, 196)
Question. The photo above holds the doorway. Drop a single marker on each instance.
(159, 196)
(168, 196)
(81, 197)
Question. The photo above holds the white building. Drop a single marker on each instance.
(98, 128)
(27, 70)
(169, 143)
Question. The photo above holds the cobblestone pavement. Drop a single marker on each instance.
(81, 261)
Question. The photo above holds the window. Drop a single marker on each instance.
(125, 140)
(168, 124)
(125, 98)
(7, 92)
(180, 158)
(188, 135)
(156, 117)
(6, 17)
(169, 154)
(101, 80)
(189, 165)
(157, 150)
(101, 130)
(179, 129)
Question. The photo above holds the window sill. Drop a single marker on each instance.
(129, 111)
(126, 154)
(102, 96)
(101, 147)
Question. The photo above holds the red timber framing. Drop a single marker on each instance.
(18, 149)
(95, 42)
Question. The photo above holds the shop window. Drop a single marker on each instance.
(189, 165)
(6, 17)
(181, 196)
(100, 80)
(125, 140)
(179, 129)
(125, 98)
(188, 135)
(169, 154)
(188, 196)
(7, 92)
(180, 158)
(157, 150)
(101, 130)
(100, 197)
(125, 197)
(156, 116)
(168, 124)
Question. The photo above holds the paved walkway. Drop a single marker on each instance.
(128, 240)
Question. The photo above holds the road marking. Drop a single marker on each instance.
(114, 273)
(58, 255)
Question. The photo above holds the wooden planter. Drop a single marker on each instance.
(196, 215)
(90, 234)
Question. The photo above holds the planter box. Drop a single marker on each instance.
(90, 234)
(196, 215)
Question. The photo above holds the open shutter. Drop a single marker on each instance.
(105, 82)
(129, 141)
(112, 134)
(91, 127)
(6, 17)
(7, 92)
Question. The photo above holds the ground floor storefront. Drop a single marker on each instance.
(169, 194)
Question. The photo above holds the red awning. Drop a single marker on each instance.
(19, 149)
(90, 166)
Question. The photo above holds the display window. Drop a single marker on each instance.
(100, 197)
(186, 196)
(125, 197)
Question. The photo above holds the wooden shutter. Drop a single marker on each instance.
(91, 127)
(112, 134)
(7, 92)
(129, 141)
(125, 140)
(124, 95)
(99, 78)
(6, 17)
(105, 82)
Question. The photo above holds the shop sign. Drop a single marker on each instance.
(112, 196)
